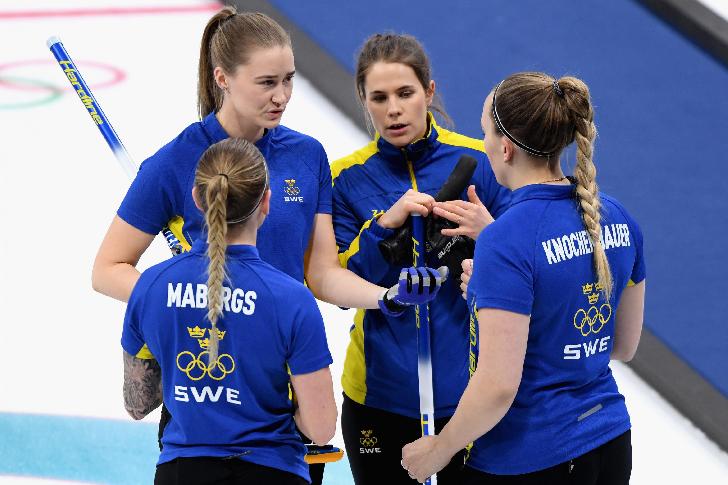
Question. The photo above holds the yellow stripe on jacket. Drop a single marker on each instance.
(354, 246)
(357, 158)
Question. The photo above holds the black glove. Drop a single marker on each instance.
(441, 250)
(447, 251)
(397, 248)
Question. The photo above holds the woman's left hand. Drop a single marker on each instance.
(471, 217)
(423, 458)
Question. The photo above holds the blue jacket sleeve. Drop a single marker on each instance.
(358, 240)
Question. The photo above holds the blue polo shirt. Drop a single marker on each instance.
(239, 406)
(536, 259)
(300, 181)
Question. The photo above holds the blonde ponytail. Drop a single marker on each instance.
(231, 180)
(216, 219)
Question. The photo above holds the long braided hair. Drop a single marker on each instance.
(546, 115)
(231, 180)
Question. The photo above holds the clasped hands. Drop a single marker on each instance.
(471, 216)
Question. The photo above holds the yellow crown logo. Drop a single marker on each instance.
(367, 432)
(196, 332)
(205, 342)
(593, 298)
(291, 182)
(587, 288)
(599, 287)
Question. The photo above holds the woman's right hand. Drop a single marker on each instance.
(411, 201)
(465, 277)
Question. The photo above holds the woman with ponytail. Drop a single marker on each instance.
(557, 290)
(225, 333)
(245, 80)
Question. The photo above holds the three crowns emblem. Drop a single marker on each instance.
(199, 334)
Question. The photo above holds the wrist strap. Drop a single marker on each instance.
(389, 306)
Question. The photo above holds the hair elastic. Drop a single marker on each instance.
(227, 18)
(557, 89)
(526, 148)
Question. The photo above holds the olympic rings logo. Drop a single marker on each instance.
(196, 368)
(291, 188)
(586, 320)
(368, 440)
(30, 83)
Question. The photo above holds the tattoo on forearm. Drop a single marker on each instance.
(142, 386)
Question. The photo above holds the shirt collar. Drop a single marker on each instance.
(542, 191)
(213, 128)
(238, 251)
(215, 132)
(415, 150)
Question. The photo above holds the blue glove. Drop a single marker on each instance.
(415, 287)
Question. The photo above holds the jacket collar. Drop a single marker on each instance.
(416, 150)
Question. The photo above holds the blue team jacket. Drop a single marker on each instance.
(381, 361)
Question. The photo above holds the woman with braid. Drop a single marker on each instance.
(217, 334)
(245, 80)
(222, 329)
(557, 290)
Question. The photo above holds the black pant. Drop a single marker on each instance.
(610, 464)
(316, 471)
(221, 471)
(374, 441)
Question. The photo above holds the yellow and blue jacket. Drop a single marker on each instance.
(380, 369)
